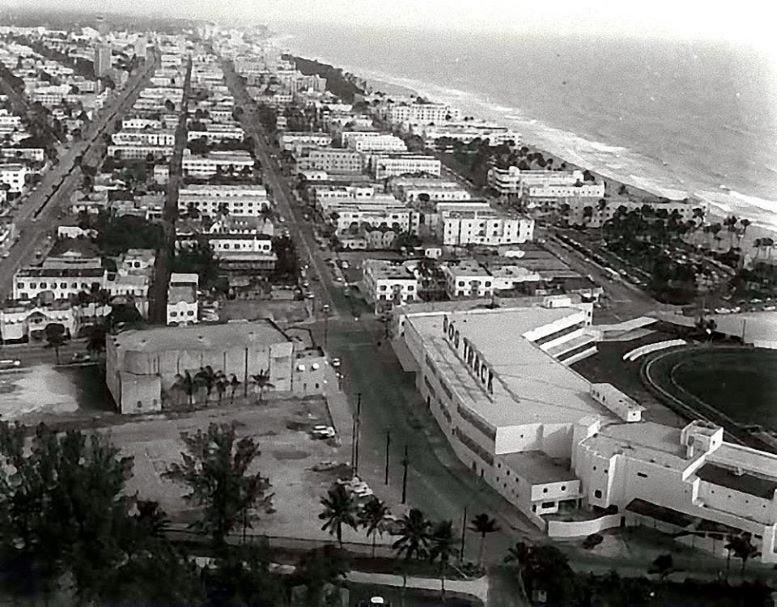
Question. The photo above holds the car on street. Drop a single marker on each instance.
(336, 362)
(10, 363)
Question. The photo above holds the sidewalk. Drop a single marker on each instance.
(477, 588)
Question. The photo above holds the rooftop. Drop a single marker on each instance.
(647, 441)
(201, 337)
(745, 482)
(538, 468)
(529, 385)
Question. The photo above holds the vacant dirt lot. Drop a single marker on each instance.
(287, 456)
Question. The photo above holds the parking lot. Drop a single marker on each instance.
(288, 455)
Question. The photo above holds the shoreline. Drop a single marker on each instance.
(757, 229)
(717, 210)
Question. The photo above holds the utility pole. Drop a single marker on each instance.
(357, 424)
(388, 444)
(405, 462)
(463, 534)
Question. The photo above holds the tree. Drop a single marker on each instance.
(742, 547)
(215, 468)
(262, 381)
(206, 377)
(322, 571)
(234, 384)
(483, 525)
(413, 541)
(96, 339)
(339, 510)
(442, 548)
(55, 337)
(221, 383)
(64, 510)
(187, 384)
(372, 517)
(662, 565)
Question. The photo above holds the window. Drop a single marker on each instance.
(173, 314)
(190, 313)
(20, 285)
(43, 285)
(544, 489)
(563, 487)
(642, 474)
(548, 504)
(63, 285)
(597, 493)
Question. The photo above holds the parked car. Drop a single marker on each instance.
(336, 362)
(9, 363)
(322, 432)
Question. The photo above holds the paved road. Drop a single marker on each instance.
(437, 482)
(300, 230)
(163, 264)
(36, 213)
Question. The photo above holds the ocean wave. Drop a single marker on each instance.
(664, 177)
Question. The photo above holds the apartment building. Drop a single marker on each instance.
(457, 227)
(215, 162)
(387, 284)
(14, 175)
(467, 278)
(379, 143)
(289, 140)
(144, 137)
(422, 113)
(395, 164)
(331, 160)
(514, 181)
(232, 200)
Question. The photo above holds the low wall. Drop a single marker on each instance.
(582, 528)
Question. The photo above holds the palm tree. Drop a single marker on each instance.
(262, 381)
(185, 383)
(221, 382)
(234, 384)
(483, 524)
(442, 548)
(206, 377)
(518, 556)
(371, 517)
(413, 541)
(742, 548)
(339, 510)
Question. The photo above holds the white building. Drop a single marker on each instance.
(145, 137)
(214, 162)
(468, 131)
(288, 140)
(379, 143)
(61, 277)
(139, 152)
(514, 181)
(15, 175)
(330, 160)
(394, 164)
(218, 132)
(458, 227)
(387, 284)
(467, 278)
(25, 320)
(422, 113)
(685, 481)
(182, 306)
(235, 200)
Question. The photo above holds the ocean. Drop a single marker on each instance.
(677, 117)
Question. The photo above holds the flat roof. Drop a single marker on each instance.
(538, 468)
(648, 441)
(745, 482)
(200, 337)
(529, 386)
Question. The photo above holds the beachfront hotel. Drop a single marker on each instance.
(576, 457)
(514, 181)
